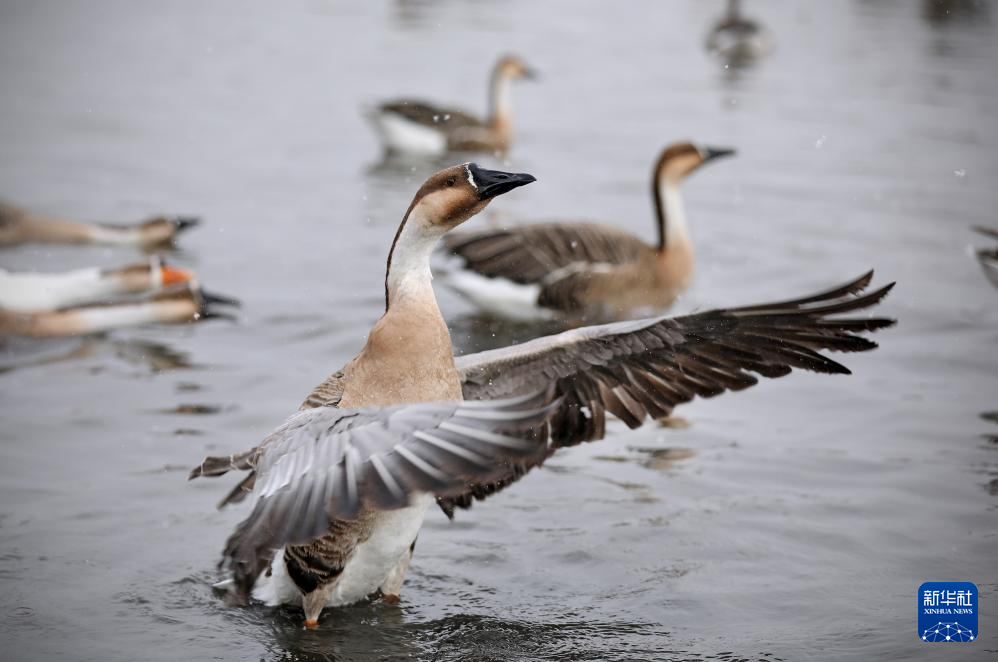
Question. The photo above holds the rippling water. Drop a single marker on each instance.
(793, 521)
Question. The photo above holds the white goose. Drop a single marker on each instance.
(180, 304)
(32, 291)
(341, 488)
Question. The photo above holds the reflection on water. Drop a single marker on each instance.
(943, 12)
(29, 352)
(737, 40)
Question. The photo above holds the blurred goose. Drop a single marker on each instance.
(179, 304)
(28, 291)
(408, 125)
(20, 226)
(988, 257)
(548, 270)
(738, 40)
(341, 488)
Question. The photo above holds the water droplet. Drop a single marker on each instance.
(960, 173)
(820, 142)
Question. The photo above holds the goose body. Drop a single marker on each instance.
(178, 304)
(566, 269)
(417, 127)
(30, 291)
(19, 226)
(340, 489)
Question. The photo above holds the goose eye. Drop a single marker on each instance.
(451, 181)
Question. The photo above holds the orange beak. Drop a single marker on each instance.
(311, 624)
(172, 275)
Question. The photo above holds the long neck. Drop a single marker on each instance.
(92, 319)
(500, 101)
(670, 211)
(57, 230)
(408, 277)
(49, 229)
(408, 356)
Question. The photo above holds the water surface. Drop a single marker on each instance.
(792, 521)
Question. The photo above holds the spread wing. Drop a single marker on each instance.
(326, 464)
(545, 252)
(646, 367)
(430, 115)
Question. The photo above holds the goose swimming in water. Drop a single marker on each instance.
(30, 291)
(19, 226)
(340, 489)
(575, 269)
(416, 127)
(179, 304)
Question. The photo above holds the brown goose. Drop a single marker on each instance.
(178, 304)
(19, 226)
(408, 125)
(341, 488)
(549, 270)
(30, 291)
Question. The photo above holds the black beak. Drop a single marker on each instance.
(712, 153)
(211, 299)
(210, 303)
(491, 183)
(186, 222)
(530, 74)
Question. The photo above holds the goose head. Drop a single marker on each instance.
(453, 195)
(678, 160)
(151, 275)
(164, 229)
(512, 68)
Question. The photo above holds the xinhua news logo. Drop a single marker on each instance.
(947, 612)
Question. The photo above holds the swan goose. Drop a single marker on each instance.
(417, 127)
(341, 488)
(577, 269)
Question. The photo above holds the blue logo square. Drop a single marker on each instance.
(947, 612)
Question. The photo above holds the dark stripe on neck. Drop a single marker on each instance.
(391, 251)
(660, 213)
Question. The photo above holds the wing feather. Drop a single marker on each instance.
(326, 464)
(644, 368)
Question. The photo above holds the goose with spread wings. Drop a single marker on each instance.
(341, 489)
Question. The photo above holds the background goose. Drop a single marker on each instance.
(179, 304)
(550, 269)
(29, 291)
(19, 226)
(341, 488)
(408, 125)
(738, 40)
(988, 257)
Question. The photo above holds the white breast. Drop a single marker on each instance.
(368, 567)
(403, 135)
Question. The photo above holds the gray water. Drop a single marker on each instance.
(793, 521)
